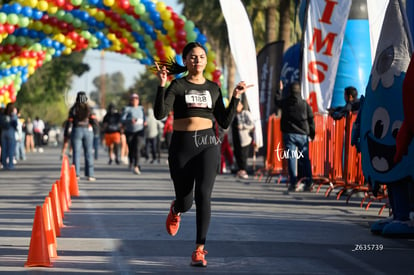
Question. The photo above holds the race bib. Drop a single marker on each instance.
(198, 99)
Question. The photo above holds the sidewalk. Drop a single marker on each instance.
(117, 226)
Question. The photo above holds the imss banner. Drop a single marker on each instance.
(324, 32)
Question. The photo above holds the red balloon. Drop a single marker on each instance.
(2, 29)
(53, 21)
(158, 45)
(9, 28)
(181, 35)
(216, 74)
(179, 24)
(124, 4)
(62, 25)
(60, 3)
(9, 48)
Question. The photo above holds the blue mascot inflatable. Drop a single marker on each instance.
(386, 149)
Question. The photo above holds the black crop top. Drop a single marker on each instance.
(194, 100)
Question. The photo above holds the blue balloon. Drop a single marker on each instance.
(16, 8)
(33, 34)
(6, 9)
(37, 14)
(27, 11)
(201, 38)
(14, 70)
(93, 2)
(47, 42)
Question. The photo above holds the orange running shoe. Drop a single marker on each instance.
(173, 221)
(197, 259)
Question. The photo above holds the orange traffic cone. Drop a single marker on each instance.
(56, 209)
(74, 188)
(64, 184)
(38, 251)
(62, 197)
(50, 228)
(65, 180)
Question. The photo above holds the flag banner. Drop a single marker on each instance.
(243, 50)
(269, 60)
(376, 12)
(324, 33)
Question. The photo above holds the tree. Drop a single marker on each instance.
(146, 86)
(111, 86)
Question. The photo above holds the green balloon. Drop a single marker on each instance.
(139, 9)
(3, 18)
(60, 14)
(134, 2)
(21, 41)
(68, 17)
(86, 34)
(24, 22)
(191, 36)
(76, 2)
(36, 47)
(77, 23)
(12, 19)
(189, 26)
(11, 39)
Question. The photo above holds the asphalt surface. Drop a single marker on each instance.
(117, 226)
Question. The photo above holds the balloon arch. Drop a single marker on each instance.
(32, 32)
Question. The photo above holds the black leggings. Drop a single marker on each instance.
(135, 143)
(193, 158)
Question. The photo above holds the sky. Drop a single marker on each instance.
(111, 63)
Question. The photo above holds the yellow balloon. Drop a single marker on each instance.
(109, 3)
(31, 70)
(52, 9)
(32, 63)
(31, 3)
(165, 14)
(68, 42)
(42, 5)
(38, 25)
(210, 67)
(111, 36)
(92, 11)
(60, 37)
(208, 75)
(160, 6)
(15, 62)
(100, 16)
(211, 56)
(108, 21)
(67, 51)
(23, 62)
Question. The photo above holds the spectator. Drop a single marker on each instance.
(66, 146)
(152, 136)
(134, 121)
(8, 124)
(352, 104)
(28, 128)
(80, 119)
(38, 128)
(242, 126)
(20, 138)
(112, 132)
(297, 125)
